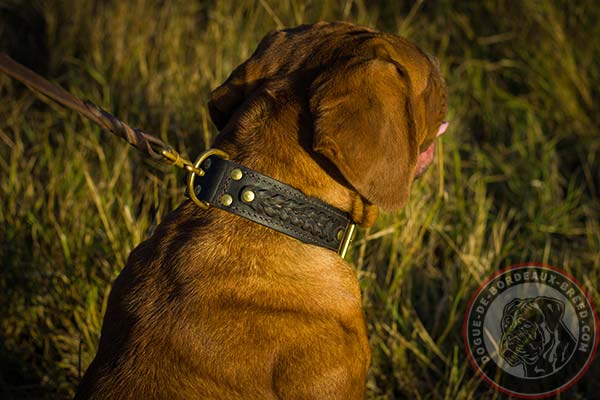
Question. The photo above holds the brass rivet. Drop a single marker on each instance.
(226, 200)
(340, 234)
(236, 174)
(248, 196)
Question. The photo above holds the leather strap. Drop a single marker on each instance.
(232, 187)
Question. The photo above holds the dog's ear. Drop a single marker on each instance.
(245, 79)
(552, 309)
(225, 99)
(364, 124)
(508, 313)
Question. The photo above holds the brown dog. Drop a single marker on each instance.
(214, 306)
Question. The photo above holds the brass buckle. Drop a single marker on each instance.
(346, 240)
(200, 172)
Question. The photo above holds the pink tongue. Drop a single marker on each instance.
(442, 128)
(425, 158)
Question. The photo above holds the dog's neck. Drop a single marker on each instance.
(281, 147)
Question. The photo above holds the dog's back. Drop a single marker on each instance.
(196, 315)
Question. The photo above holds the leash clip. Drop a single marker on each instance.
(194, 169)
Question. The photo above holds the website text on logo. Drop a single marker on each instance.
(531, 330)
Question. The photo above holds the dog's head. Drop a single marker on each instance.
(376, 101)
(527, 329)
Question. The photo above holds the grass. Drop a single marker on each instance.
(515, 180)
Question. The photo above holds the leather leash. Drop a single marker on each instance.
(226, 185)
(146, 143)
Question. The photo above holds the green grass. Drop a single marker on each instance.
(516, 179)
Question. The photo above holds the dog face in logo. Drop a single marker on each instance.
(535, 336)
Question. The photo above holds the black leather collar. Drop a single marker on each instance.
(232, 187)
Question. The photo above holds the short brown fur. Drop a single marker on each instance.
(214, 306)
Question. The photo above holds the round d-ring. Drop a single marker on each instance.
(200, 172)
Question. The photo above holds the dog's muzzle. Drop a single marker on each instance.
(522, 345)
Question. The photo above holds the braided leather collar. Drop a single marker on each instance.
(232, 187)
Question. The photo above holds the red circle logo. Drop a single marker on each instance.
(531, 330)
